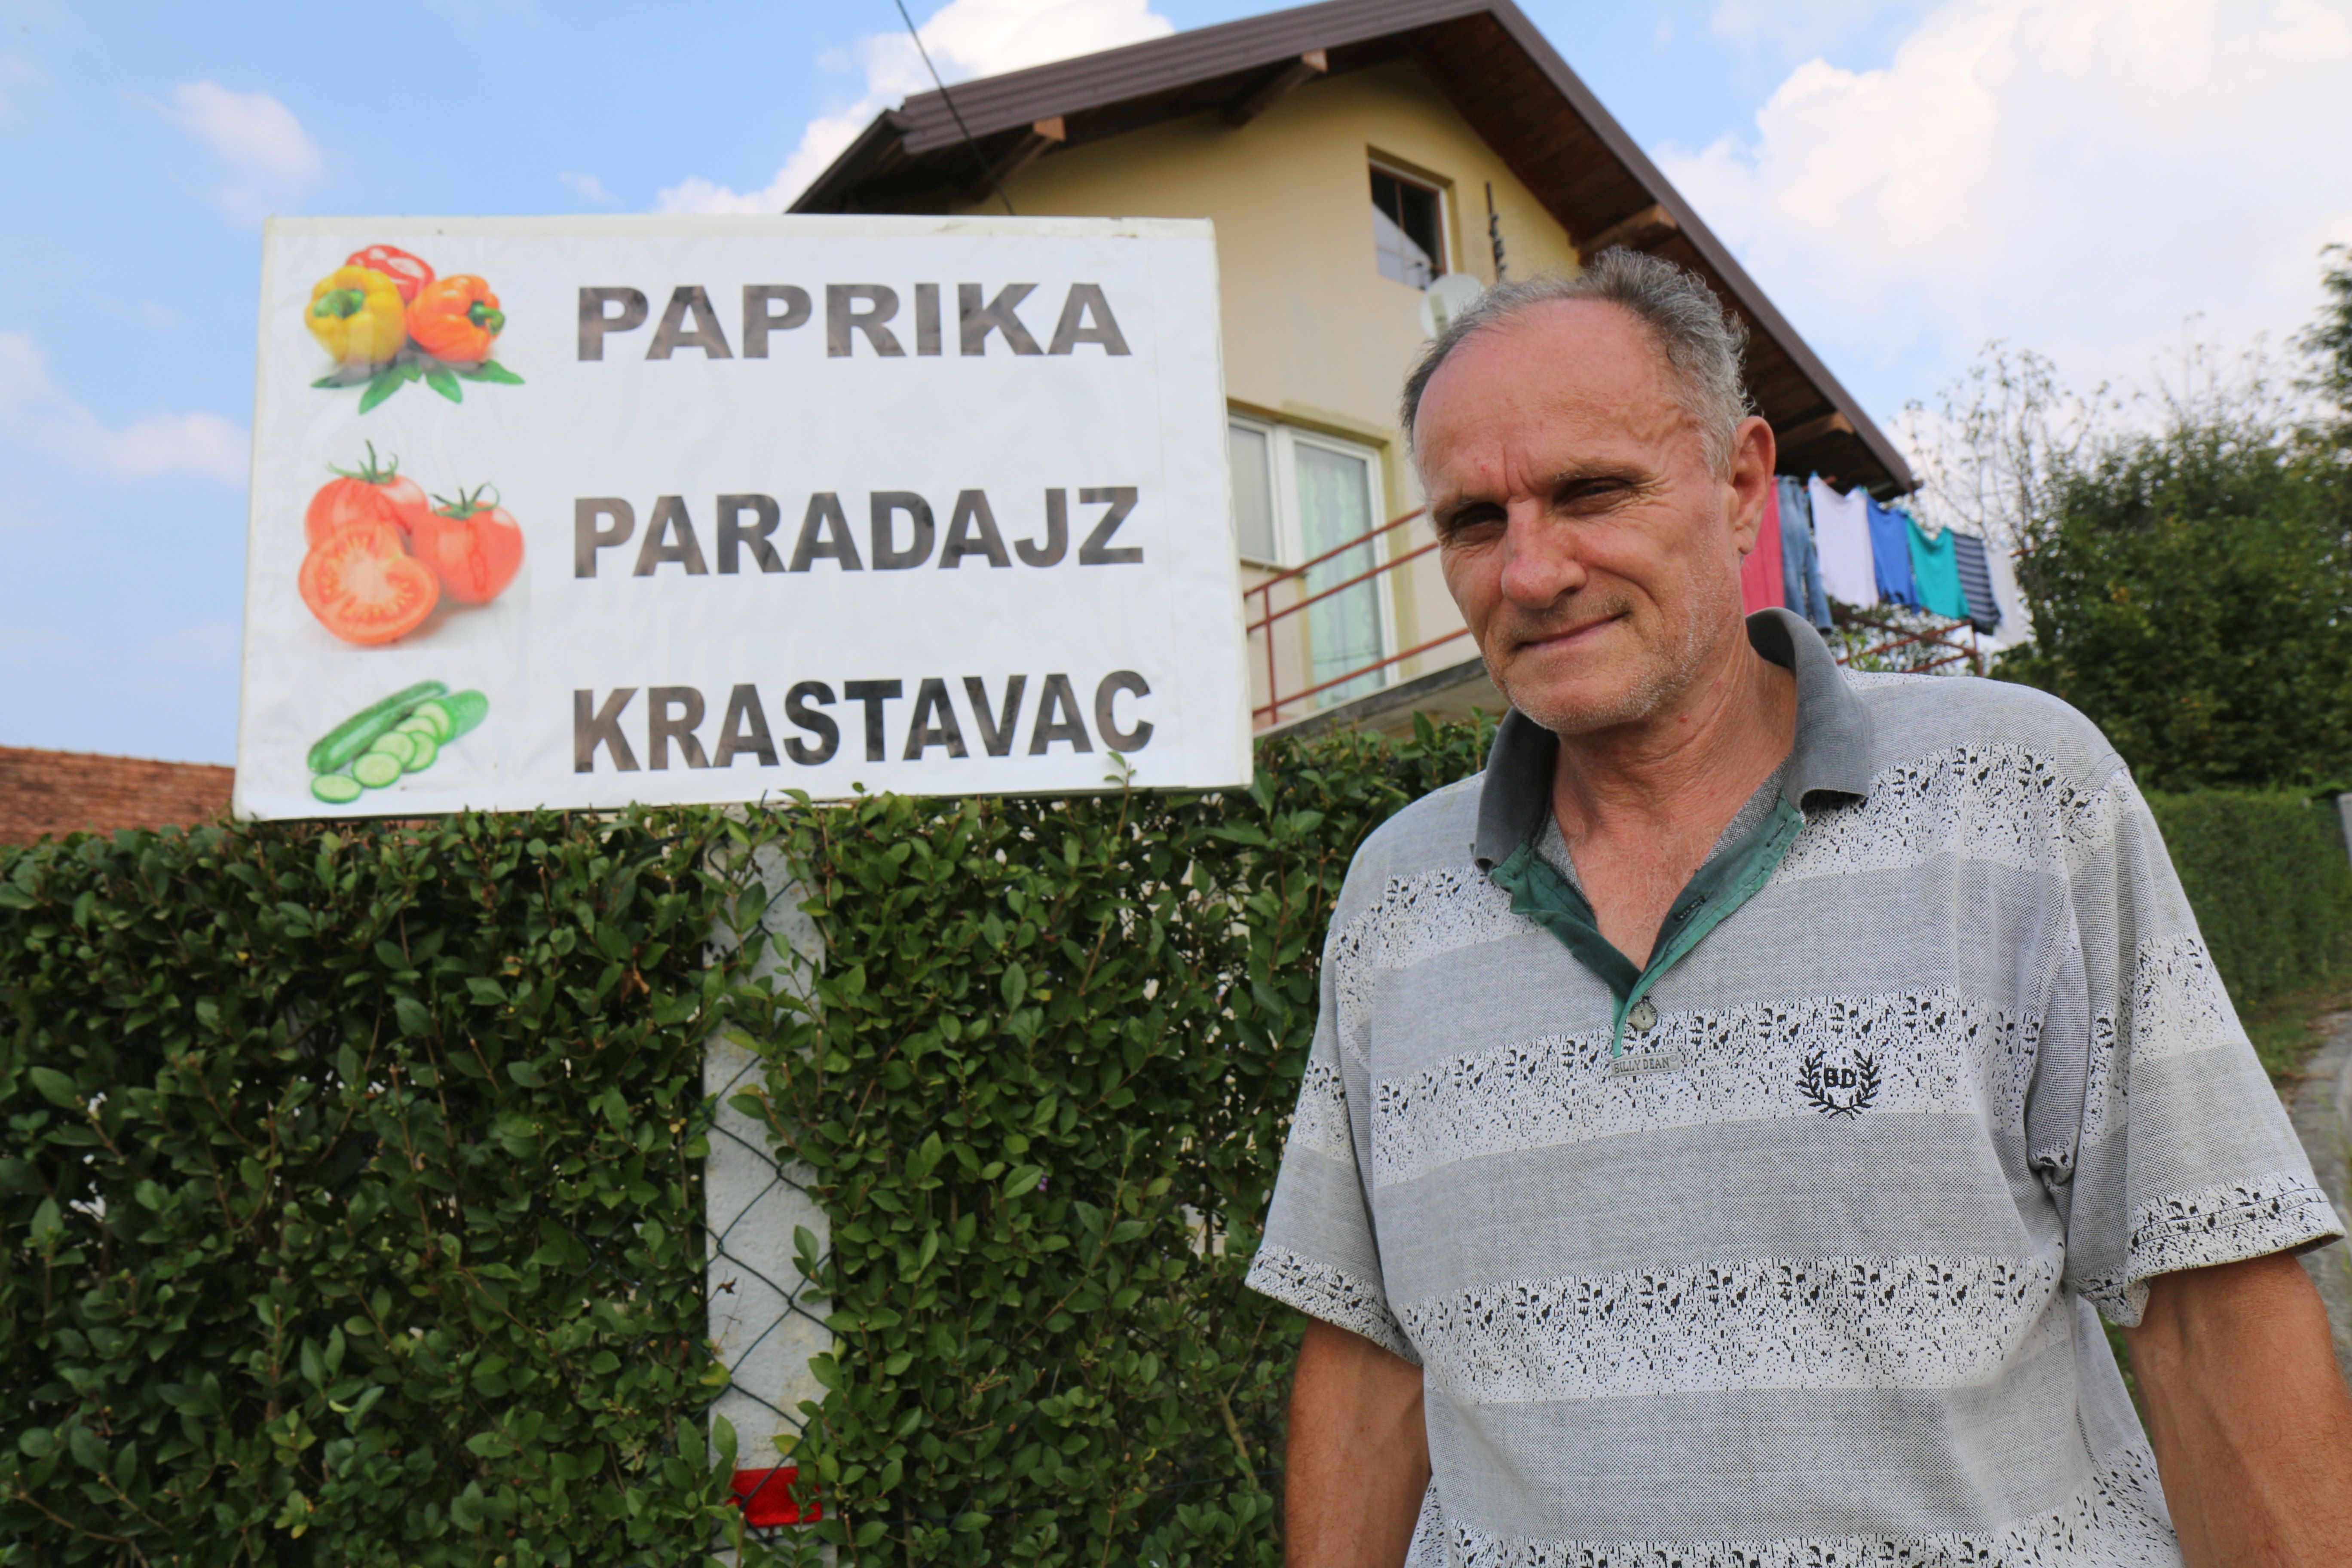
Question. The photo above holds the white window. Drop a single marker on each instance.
(1298, 495)
(1408, 229)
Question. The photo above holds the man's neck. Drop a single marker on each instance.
(1687, 768)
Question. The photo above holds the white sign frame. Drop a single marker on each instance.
(1139, 648)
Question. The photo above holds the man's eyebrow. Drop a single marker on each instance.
(1448, 505)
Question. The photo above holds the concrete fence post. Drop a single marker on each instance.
(765, 1320)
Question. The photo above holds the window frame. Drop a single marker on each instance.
(1442, 193)
(1283, 441)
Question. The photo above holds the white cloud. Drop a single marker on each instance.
(271, 160)
(38, 413)
(587, 187)
(966, 39)
(2077, 176)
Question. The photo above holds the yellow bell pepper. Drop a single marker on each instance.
(355, 314)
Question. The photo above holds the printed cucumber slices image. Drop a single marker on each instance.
(402, 735)
(382, 558)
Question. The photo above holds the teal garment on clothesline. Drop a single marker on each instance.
(1935, 572)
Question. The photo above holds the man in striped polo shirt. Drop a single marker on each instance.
(1732, 1112)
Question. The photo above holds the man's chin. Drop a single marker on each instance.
(1581, 701)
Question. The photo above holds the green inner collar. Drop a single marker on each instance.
(1729, 879)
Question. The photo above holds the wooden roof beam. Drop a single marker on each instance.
(1257, 99)
(1041, 137)
(1651, 225)
(1821, 427)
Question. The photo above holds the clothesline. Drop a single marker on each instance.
(1817, 544)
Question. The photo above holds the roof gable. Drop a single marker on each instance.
(1502, 76)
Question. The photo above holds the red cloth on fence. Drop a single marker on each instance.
(1760, 576)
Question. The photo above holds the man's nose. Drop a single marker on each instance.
(1539, 559)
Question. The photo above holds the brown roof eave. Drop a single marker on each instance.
(925, 125)
(1751, 299)
(886, 133)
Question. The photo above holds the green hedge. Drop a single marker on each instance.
(351, 1197)
(351, 1207)
(1042, 1091)
(2269, 877)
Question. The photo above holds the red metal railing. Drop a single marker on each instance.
(1939, 644)
(1268, 712)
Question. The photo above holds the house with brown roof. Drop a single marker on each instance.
(1367, 165)
(52, 794)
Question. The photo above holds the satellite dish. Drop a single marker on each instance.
(1447, 298)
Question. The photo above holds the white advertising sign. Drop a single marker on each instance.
(582, 512)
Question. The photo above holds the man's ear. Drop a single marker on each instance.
(1753, 455)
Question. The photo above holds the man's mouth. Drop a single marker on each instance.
(1567, 638)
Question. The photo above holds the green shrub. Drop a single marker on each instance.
(350, 1209)
(351, 1194)
(2270, 881)
(1042, 1091)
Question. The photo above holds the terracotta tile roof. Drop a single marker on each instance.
(57, 793)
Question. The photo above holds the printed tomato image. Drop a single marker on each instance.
(474, 546)
(408, 273)
(364, 588)
(457, 319)
(358, 316)
(375, 492)
(388, 319)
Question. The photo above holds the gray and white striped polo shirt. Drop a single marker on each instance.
(1822, 1287)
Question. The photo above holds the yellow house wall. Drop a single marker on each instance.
(1313, 334)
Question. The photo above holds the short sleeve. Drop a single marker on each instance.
(1319, 1253)
(2182, 1156)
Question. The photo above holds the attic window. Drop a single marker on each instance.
(1408, 232)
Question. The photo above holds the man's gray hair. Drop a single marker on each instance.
(1703, 342)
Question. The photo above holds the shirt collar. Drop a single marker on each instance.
(1832, 755)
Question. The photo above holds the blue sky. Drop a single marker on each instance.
(1907, 179)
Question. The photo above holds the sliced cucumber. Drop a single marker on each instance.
(349, 739)
(413, 725)
(395, 745)
(465, 710)
(438, 717)
(336, 789)
(422, 749)
(376, 769)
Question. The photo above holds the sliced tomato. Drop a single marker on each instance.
(364, 588)
(475, 550)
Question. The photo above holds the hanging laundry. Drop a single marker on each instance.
(1976, 580)
(1842, 535)
(1936, 571)
(1760, 569)
(1890, 552)
(1801, 565)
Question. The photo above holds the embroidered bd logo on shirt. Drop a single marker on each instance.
(1844, 1090)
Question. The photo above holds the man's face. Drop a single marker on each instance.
(1592, 547)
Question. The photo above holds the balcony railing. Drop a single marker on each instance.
(1259, 605)
(1877, 637)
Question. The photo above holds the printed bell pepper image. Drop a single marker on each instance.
(388, 319)
(408, 273)
(457, 319)
(357, 316)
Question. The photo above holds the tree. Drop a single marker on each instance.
(2192, 593)
(2187, 552)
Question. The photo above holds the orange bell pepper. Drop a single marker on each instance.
(456, 317)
